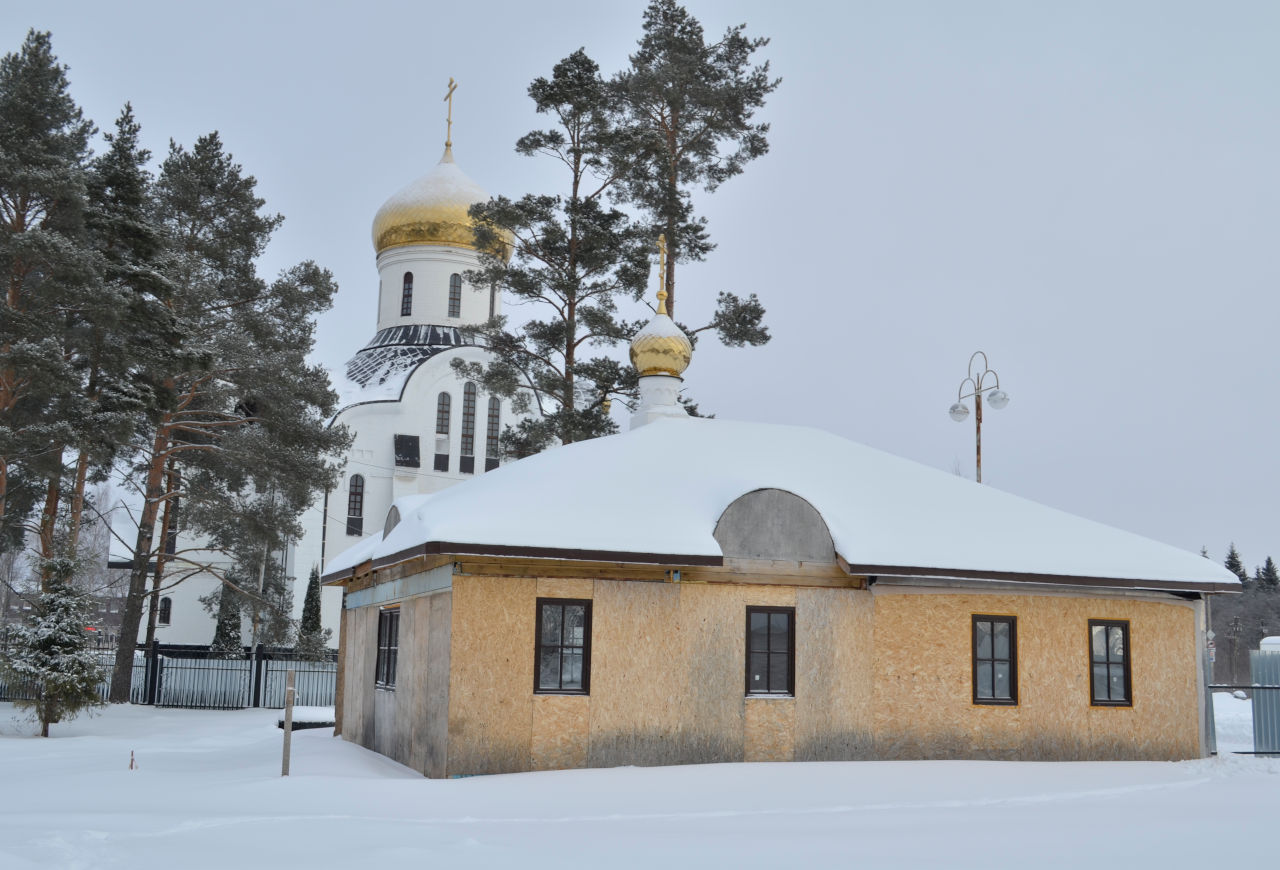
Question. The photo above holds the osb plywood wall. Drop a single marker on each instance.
(878, 675)
(408, 724)
(667, 677)
(923, 680)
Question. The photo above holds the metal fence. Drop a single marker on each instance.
(180, 676)
(1263, 692)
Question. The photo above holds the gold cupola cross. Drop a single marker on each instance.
(448, 98)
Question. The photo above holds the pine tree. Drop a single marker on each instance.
(689, 107)
(313, 640)
(1235, 564)
(573, 258)
(48, 268)
(51, 653)
(246, 428)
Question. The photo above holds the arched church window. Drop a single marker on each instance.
(406, 298)
(443, 405)
(455, 295)
(491, 434)
(355, 505)
(165, 614)
(467, 463)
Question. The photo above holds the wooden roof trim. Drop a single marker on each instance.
(1023, 577)
(456, 549)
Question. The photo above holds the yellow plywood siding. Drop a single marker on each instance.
(559, 738)
(770, 729)
(883, 674)
(923, 686)
(491, 679)
(833, 674)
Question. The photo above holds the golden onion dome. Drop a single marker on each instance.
(432, 211)
(661, 348)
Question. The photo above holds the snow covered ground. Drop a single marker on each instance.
(207, 794)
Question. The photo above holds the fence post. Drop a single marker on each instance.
(288, 721)
(255, 671)
(152, 683)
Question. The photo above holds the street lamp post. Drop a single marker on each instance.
(978, 384)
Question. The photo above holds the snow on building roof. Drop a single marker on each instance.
(659, 490)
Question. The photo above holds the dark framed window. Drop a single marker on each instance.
(355, 505)
(562, 662)
(407, 451)
(388, 648)
(491, 434)
(771, 650)
(469, 419)
(444, 406)
(455, 295)
(995, 660)
(164, 615)
(406, 296)
(1109, 663)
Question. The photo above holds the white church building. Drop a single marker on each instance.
(417, 426)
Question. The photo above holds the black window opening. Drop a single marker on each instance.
(444, 410)
(407, 451)
(491, 434)
(563, 651)
(388, 648)
(995, 660)
(406, 297)
(455, 295)
(468, 462)
(164, 615)
(1109, 659)
(355, 505)
(771, 650)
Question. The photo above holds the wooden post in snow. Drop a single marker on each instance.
(288, 720)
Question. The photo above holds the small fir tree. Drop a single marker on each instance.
(1235, 564)
(51, 653)
(1266, 577)
(227, 642)
(313, 640)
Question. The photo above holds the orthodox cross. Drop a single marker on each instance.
(448, 98)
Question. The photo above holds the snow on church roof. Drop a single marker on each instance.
(661, 488)
(379, 370)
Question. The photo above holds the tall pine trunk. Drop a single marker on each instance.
(131, 615)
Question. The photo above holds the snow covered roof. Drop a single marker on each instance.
(379, 370)
(655, 494)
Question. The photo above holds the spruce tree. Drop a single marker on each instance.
(689, 108)
(51, 653)
(1266, 577)
(227, 642)
(312, 638)
(1235, 564)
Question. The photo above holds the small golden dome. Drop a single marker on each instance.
(432, 211)
(661, 348)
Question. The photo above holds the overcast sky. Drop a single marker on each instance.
(1088, 192)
